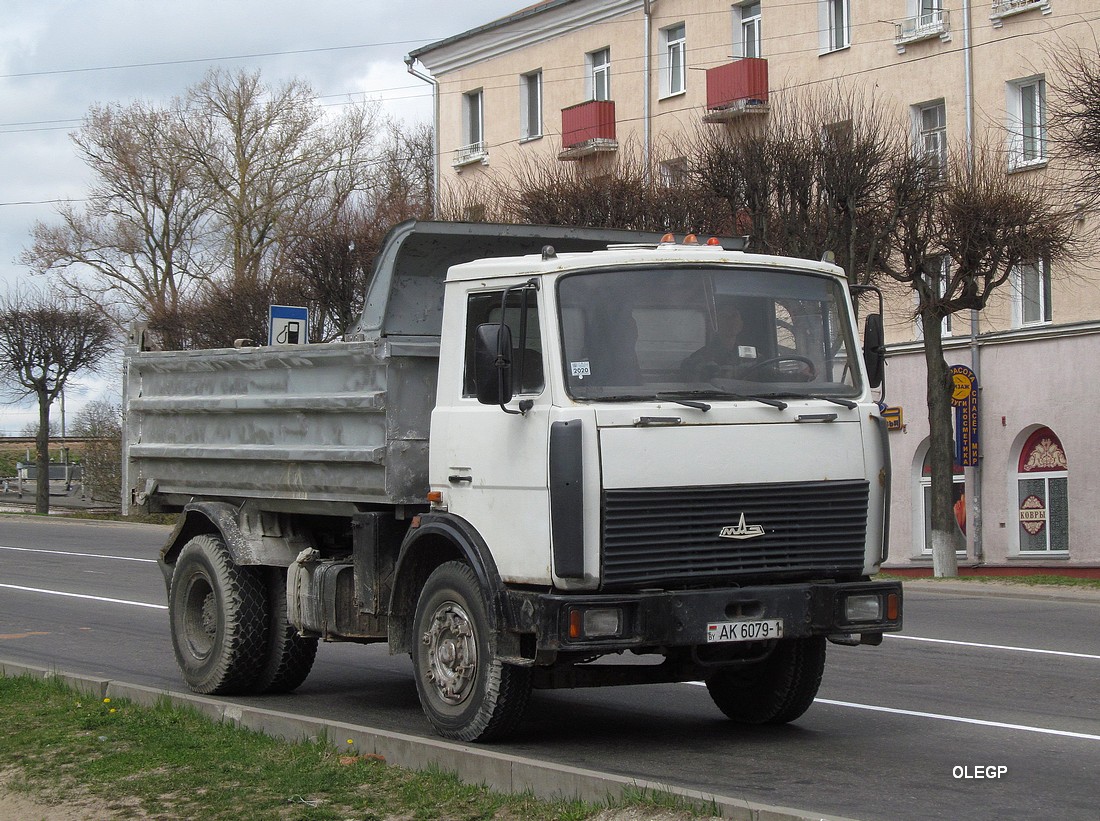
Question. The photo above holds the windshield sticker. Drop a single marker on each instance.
(580, 369)
(746, 351)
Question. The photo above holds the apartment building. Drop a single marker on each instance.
(584, 81)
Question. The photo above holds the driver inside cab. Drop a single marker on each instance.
(721, 355)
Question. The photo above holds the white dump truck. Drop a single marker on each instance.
(544, 458)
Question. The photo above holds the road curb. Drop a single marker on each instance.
(475, 765)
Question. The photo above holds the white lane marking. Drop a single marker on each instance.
(941, 717)
(998, 647)
(83, 596)
(73, 553)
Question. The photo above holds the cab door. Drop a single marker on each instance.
(490, 464)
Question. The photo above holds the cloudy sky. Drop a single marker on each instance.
(58, 57)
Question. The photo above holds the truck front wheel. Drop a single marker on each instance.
(219, 618)
(467, 692)
(774, 690)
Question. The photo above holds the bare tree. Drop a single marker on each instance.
(136, 244)
(809, 178)
(101, 421)
(959, 235)
(276, 168)
(1074, 118)
(43, 342)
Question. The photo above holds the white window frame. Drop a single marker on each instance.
(598, 76)
(946, 322)
(473, 117)
(924, 492)
(673, 60)
(474, 148)
(1056, 468)
(1026, 106)
(747, 38)
(931, 139)
(530, 105)
(673, 172)
(834, 25)
(1041, 287)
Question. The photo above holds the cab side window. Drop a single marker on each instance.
(527, 367)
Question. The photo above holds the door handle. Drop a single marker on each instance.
(456, 480)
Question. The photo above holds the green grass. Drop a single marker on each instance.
(71, 748)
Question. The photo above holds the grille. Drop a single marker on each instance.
(669, 536)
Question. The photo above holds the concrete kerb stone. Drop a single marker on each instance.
(477, 765)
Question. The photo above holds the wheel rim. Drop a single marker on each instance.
(451, 647)
(200, 624)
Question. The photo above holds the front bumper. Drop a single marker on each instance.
(667, 618)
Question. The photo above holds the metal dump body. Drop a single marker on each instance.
(308, 423)
(320, 428)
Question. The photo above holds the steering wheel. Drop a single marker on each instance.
(805, 374)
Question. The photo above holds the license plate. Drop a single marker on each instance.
(745, 630)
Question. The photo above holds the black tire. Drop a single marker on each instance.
(219, 618)
(773, 691)
(466, 691)
(289, 656)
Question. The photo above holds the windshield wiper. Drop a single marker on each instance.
(836, 400)
(737, 397)
(650, 397)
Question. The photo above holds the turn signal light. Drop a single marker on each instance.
(893, 606)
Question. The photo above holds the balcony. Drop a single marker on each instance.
(469, 154)
(737, 88)
(1007, 8)
(922, 27)
(587, 128)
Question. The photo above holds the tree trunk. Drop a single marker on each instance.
(42, 462)
(946, 538)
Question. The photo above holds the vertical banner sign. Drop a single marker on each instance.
(287, 325)
(964, 398)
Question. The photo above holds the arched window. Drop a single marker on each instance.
(1043, 494)
(958, 489)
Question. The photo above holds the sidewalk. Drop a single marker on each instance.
(1001, 586)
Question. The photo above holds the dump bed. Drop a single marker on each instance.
(321, 428)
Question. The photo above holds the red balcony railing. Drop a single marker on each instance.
(594, 120)
(740, 83)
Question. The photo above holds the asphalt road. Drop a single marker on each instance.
(902, 731)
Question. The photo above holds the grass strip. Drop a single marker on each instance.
(60, 747)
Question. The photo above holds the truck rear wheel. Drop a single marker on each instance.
(218, 617)
(775, 690)
(466, 691)
(289, 655)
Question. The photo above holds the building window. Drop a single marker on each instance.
(673, 52)
(599, 74)
(834, 24)
(473, 133)
(1031, 294)
(1043, 494)
(939, 274)
(747, 34)
(531, 105)
(674, 173)
(930, 121)
(1027, 121)
(958, 490)
(473, 117)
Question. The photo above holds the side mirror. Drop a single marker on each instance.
(874, 349)
(493, 363)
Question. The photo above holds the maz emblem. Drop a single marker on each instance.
(741, 530)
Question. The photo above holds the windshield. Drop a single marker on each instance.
(705, 331)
